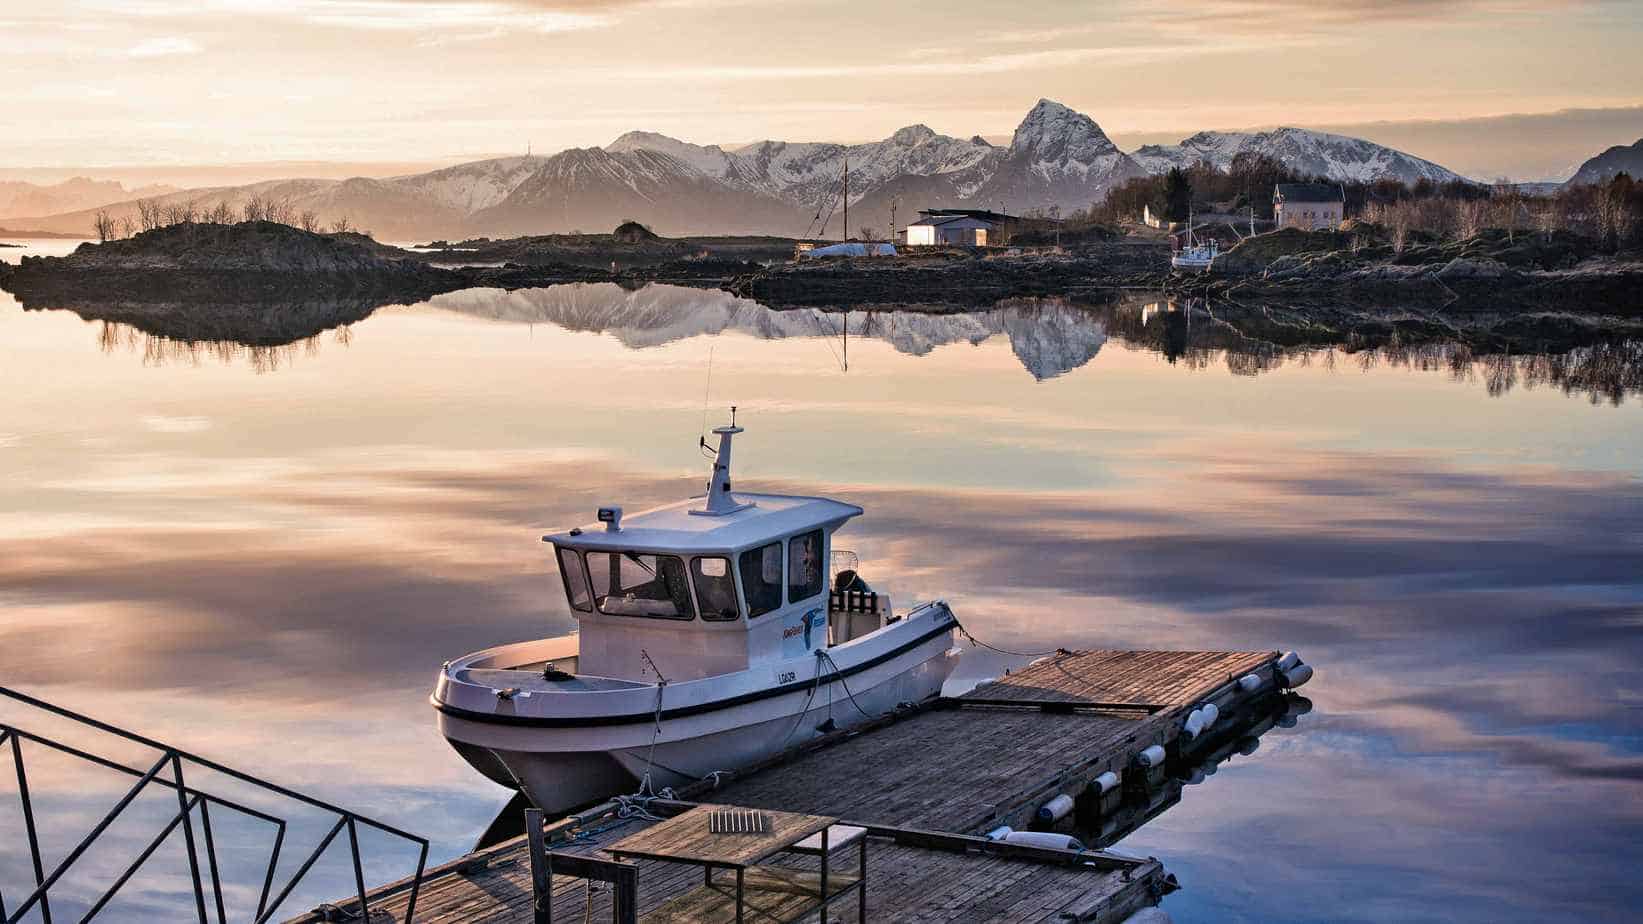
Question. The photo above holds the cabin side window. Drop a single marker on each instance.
(715, 588)
(762, 579)
(804, 566)
(637, 584)
(576, 580)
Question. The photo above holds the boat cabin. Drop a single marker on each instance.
(712, 585)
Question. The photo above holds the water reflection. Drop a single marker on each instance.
(1050, 335)
(269, 569)
(1598, 357)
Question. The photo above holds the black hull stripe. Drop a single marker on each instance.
(679, 712)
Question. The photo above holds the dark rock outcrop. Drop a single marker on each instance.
(255, 259)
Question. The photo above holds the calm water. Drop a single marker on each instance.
(264, 553)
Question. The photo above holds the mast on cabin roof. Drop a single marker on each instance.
(719, 499)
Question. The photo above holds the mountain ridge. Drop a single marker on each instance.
(1605, 166)
(1057, 158)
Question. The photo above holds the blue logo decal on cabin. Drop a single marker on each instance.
(803, 633)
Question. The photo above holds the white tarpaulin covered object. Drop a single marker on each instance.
(851, 249)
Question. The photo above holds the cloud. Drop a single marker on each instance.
(163, 424)
(392, 15)
(164, 47)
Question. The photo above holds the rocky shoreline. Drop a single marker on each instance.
(1358, 265)
(1525, 270)
(265, 262)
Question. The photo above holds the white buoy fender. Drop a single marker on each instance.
(1298, 705)
(1151, 757)
(1210, 712)
(1056, 809)
(1194, 724)
(1289, 660)
(1194, 777)
(1105, 783)
(1249, 683)
(1043, 839)
(1247, 746)
(999, 833)
(1300, 674)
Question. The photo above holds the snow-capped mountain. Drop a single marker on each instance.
(1048, 336)
(1057, 158)
(1337, 157)
(1618, 159)
(594, 189)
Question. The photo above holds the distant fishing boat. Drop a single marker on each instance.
(714, 633)
(1195, 256)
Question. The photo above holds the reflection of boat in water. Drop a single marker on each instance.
(710, 637)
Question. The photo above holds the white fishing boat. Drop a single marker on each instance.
(1194, 256)
(714, 633)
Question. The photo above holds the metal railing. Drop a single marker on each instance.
(188, 800)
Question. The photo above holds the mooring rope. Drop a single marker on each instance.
(846, 684)
(1019, 654)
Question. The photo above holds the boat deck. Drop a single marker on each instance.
(925, 783)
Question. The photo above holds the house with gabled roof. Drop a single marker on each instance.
(1308, 206)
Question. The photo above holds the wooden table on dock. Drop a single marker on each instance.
(776, 893)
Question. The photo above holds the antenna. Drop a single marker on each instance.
(706, 390)
(847, 194)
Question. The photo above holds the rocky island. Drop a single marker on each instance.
(250, 260)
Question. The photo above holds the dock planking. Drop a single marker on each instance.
(956, 766)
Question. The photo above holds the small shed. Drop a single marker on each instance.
(1308, 206)
(952, 230)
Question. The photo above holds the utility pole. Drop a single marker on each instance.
(894, 203)
(846, 195)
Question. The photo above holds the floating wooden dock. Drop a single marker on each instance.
(1112, 731)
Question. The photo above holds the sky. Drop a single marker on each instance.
(155, 82)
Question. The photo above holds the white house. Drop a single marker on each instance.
(958, 227)
(1308, 206)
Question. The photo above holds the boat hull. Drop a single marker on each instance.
(564, 767)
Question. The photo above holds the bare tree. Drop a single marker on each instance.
(179, 213)
(342, 225)
(105, 226)
(280, 210)
(308, 221)
(148, 214)
(127, 227)
(220, 214)
(1471, 214)
(1508, 199)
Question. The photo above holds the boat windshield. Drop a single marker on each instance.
(715, 588)
(638, 584)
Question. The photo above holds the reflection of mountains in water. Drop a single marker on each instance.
(1050, 336)
(1597, 356)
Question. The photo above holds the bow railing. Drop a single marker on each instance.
(167, 771)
